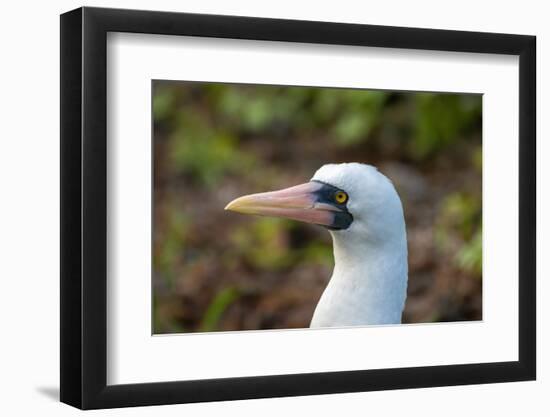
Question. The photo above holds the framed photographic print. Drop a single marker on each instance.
(258, 207)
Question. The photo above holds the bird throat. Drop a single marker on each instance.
(368, 285)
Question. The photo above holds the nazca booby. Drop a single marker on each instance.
(362, 211)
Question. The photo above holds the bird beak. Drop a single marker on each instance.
(297, 203)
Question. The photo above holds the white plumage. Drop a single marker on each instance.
(369, 282)
(363, 212)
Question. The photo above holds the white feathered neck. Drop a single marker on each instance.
(369, 282)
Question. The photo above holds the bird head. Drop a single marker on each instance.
(348, 198)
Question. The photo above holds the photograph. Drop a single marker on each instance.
(259, 206)
(294, 207)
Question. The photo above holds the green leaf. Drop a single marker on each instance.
(217, 307)
(470, 257)
(352, 128)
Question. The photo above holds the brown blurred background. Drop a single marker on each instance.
(215, 270)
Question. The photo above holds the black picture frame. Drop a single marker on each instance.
(84, 207)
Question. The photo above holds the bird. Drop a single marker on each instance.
(362, 211)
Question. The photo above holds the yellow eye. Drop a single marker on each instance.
(341, 197)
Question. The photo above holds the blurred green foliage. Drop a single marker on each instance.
(211, 137)
(262, 243)
(215, 310)
(460, 220)
(470, 255)
(208, 121)
(459, 224)
(442, 119)
(171, 247)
